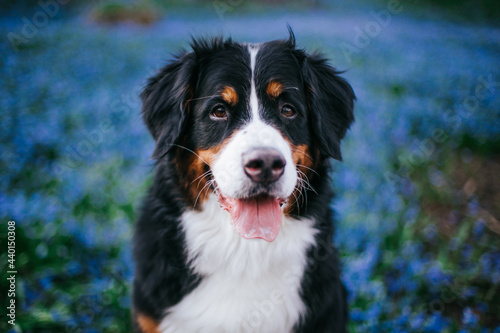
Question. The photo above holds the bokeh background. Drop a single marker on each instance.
(418, 192)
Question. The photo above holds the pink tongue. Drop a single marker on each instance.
(256, 217)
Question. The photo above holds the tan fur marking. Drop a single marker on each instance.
(193, 168)
(229, 95)
(301, 156)
(303, 160)
(147, 324)
(274, 89)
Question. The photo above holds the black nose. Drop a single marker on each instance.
(263, 165)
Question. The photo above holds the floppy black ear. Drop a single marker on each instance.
(331, 103)
(165, 102)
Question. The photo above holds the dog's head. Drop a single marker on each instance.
(248, 123)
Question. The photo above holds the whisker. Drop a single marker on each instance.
(205, 97)
(308, 168)
(302, 187)
(305, 185)
(210, 183)
(304, 178)
(302, 192)
(189, 150)
(208, 175)
(296, 202)
(308, 187)
(303, 153)
(305, 196)
(201, 176)
(196, 201)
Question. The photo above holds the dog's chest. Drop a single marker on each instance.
(247, 285)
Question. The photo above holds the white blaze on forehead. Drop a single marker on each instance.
(254, 102)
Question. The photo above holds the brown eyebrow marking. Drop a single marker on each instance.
(229, 95)
(274, 89)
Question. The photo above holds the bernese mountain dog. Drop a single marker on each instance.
(235, 234)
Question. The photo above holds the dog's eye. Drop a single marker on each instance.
(287, 111)
(219, 112)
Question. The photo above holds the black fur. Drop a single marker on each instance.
(332, 100)
(175, 106)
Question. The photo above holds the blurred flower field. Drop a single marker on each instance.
(418, 191)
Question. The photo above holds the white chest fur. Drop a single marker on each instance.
(248, 285)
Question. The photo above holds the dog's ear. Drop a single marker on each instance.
(331, 102)
(165, 102)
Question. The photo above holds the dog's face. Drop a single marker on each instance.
(249, 123)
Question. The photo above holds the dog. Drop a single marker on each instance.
(235, 234)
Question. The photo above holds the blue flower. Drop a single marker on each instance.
(470, 319)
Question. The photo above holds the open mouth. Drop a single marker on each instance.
(255, 217)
